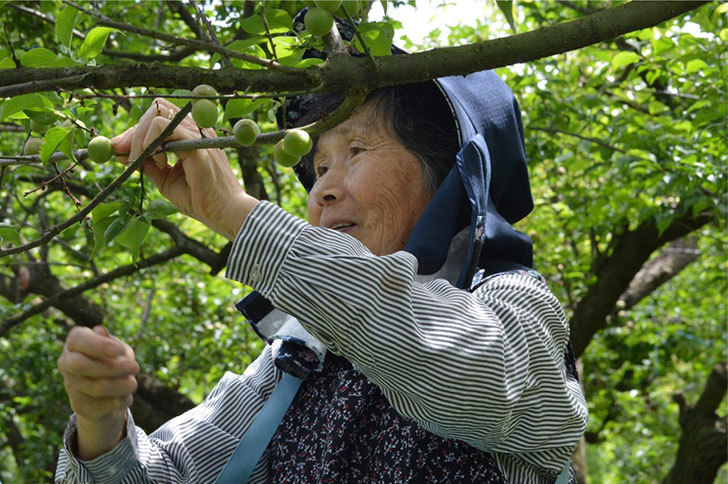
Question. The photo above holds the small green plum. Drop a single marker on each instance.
(352, 7)
(328, 5)
(246, 131)
(282, 157)
(318, 22)
(32, 146)
(37, 127)
(204, 112)
(203, 90)
(99, 149)
(297, 143)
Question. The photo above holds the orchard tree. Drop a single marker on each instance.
(625, 114)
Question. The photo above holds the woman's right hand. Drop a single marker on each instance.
(98, 373)
(201, 183)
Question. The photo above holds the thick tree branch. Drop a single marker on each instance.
(614, 273)
(672, 260)
(60, 298)
(345, 72)
(703, 445)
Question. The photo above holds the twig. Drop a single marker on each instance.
(211, 31)
(267, 32)
(12, 49)
(361, 39)
(108, 189)
(585, 138)
(103, 20)
(46, 182)
(173, 57)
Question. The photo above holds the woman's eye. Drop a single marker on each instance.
(355, 150)
(321, 170)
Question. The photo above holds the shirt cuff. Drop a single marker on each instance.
(262, 245)
(110, 467)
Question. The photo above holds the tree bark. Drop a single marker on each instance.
(703, 445)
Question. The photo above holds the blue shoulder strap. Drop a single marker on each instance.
(564, 476)
(251, 447)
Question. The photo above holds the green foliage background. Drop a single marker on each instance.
(617, 134)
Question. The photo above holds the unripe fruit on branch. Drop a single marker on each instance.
(32, 146)
(328, 5)
(352, 7)
(282, 157)
(318, 22)
(203, 90)
(297, 143)
(99, 149)
(204, 112)
(246, 131)
(36, 127)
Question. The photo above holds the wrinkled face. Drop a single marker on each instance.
(367, 184)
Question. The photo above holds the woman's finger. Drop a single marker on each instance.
(101, 387)
(84, 340)
(75, 364)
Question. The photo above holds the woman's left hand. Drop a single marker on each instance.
(201, 184)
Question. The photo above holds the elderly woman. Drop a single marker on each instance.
(430, 351)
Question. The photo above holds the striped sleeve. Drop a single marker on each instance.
(192, 447)
(484, 367)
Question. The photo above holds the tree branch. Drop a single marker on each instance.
(614, 273)
(703, 445)
(344, 72)
(672, 260)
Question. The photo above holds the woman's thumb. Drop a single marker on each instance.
(101, 330)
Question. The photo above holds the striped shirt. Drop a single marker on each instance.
(485, 367)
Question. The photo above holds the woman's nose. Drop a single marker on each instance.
(329, 188)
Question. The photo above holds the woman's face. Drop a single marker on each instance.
(368, 185)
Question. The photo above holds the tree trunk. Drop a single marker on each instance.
(703, 447)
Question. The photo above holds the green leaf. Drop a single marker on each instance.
(103, 210)
(506, 6)
(41, 117)
(287, 50)
(254, 49)
(10, 234)
(160, 208)
(624, 59)
(378, 37)
(65, 22)
(100, 227)
(311, 61)
(51, 140)
(7, 63)
(133, 236)
(695, 65)
(179, 102)
(114, 229)
(38, 57)
(279, 22)
(20, 103)
(94, 42)
(239, 108)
